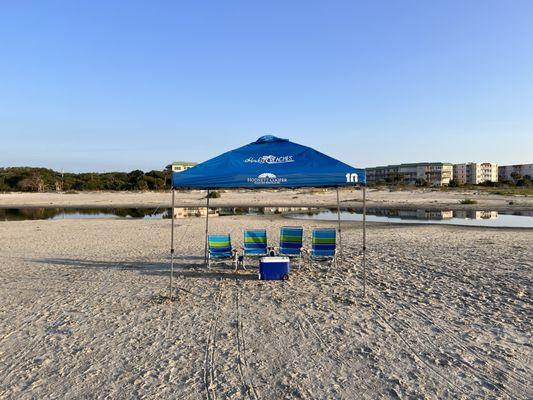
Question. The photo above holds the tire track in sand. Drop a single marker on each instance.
(311, 324)
(210, 348)
(244, 372)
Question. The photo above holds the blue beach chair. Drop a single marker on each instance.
(324, 245)
(220, 250)
(291, 242)
(255, 244)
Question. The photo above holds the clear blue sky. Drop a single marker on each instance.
(103, 85)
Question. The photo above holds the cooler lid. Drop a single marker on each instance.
(274, 259)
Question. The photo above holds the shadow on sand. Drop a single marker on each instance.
(192, 269)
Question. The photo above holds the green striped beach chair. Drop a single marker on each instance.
(255, 244)
(324, 245)
(220, 250)
(291, 242)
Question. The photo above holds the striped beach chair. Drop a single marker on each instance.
(324, 245)
(220, 250)
(255, 244)
(291, 242)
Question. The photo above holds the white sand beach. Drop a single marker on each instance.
(448, 315)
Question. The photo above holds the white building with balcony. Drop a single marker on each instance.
(475, 173)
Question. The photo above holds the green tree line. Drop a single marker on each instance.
(29, 179)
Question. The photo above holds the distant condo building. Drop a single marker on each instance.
(432, 173)
(180, 166)
(475, 173)
(509, 172)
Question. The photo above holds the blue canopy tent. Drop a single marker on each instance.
(269, 162)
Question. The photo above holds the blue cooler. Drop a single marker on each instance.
(274, 268)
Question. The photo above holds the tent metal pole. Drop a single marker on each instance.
(206, 226)
(364, 240)
(339, 220)
(172, 246)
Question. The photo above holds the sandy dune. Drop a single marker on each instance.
(448, 315)
(313, 198)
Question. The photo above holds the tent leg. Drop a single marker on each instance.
(364, 241)
(172, 246)
(206, 226)
(339, 220)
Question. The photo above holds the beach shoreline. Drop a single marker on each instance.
(349, 198)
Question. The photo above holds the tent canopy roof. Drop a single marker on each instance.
(269, 162)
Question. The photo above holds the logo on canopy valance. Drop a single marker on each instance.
(267, 178)
(270, 159)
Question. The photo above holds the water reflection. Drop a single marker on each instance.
(471, 214)
(434, 215)
(516, 219)
(43, 213)
(458, 217)
(40, 213)
(189, 212)
(259, 210)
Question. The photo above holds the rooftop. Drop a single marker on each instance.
(412, 165)
(186, 163)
